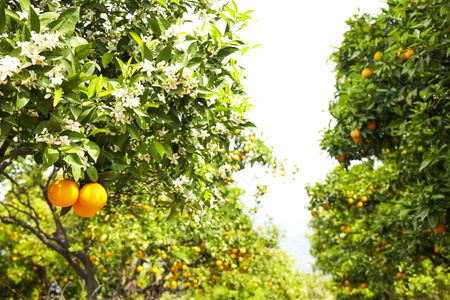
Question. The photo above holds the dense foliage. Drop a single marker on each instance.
(133, 252)
(126, 93)
(384, 222)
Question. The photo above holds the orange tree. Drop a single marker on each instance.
(122, 92)
(391, 107)
(125, 94)
(130, 250)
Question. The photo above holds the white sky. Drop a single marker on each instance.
(291, 83)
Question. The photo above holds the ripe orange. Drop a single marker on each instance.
(342, 228)
(364, 199)
(347, 282)
(363, 285)
(409, 53)
(107, 254)
(234, 251)
(371, 187)
(63, 192)
(141, 254)
(102, 238)
(355, 134)
(377, 249)
(399, 275)
(240, 259)
(440, 228)
(350, 288)
(371, 125)
(92, 258)
(154, 270)
(437, 250)
(82, 212)
(341, 158)
(350, 201)
(197, 249)
(359, 204)
(377, 55)
(139, 269)
(93, 196)
(366, 73)
(255, 284)
(164, 256)
(219, 262)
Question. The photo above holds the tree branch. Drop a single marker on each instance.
(16, 153)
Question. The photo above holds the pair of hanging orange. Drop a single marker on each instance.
(85, 202)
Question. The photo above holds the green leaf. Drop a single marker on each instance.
(50, 156)
(58, 93)
(82, 51)
(154, 152)
(93, 149)
(425, 163)
(432, 221)
(168, 149)
(2, 17)
(22, 99)
(159, 147)
(33, 20)
(64, 210)
(73, 159)
(25, 5)
(5, 47)
(136, 37)
(92, 88)
(107, 58)
(225, 52)
(92, 173)
(66, 21)
(134, 132)
(165, 54)
(173, 213)
(54, 124)
(146, 53)
(76, 172)
(159, 116)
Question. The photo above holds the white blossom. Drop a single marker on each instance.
(8, 66)
(71, 125)
(204, 134)
(174, 158)
(64, 140)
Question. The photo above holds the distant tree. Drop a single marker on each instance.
(391, 113)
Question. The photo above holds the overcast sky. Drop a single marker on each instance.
(291, 83)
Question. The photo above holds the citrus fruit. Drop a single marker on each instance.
(377, 55)
(366, 73)
(82, 212)
(440, 228)
(93, 196)
(63, 192)
(371, 125)
(355, 134)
